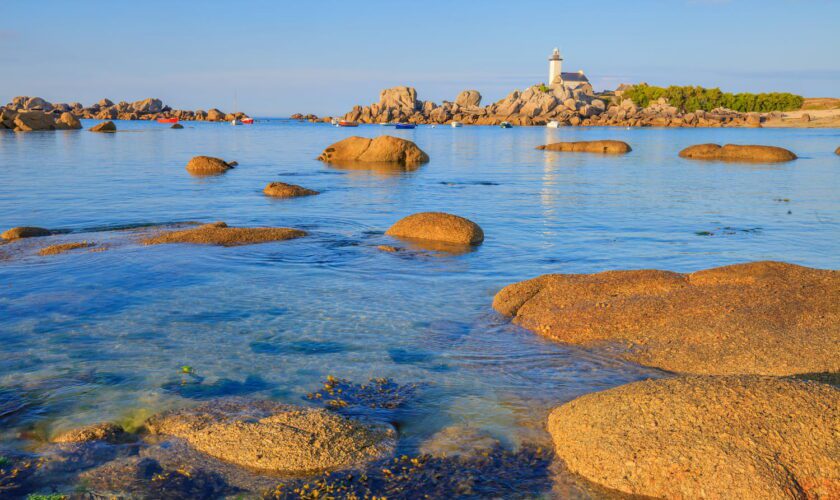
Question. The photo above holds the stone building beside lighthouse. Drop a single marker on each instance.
(557, 78)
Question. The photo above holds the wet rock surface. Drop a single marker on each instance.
(64, 247)
(383, 149)
(737, 153)
(438, 226)
(283, 190)
(602, 147)
(108, 432)
(220, 234)
(700, 436)
(768, 318)
(270, 436)
(16, 233)
(146, 478)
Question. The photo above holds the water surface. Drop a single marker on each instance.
(92, 336)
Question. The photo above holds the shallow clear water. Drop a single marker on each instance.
(98, 335)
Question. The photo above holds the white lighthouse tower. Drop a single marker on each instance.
(555, 66)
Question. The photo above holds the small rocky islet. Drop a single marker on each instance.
(283, 190)
(738, 153)
(209, 165)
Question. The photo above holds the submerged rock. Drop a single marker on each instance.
(147, 478)
(107, 126)
(208, 165)
(283, 190)
(837, 151)
(218, 233)
(768, 318)
(177, 126)
(498, 473)
(459, 441)
(383, 149)
(275, 437)
(709, 437)
(64, 247)
(24, 232)
(389, 248)
(108, 432)
(438, 226)
(735, 152)
(603, 147)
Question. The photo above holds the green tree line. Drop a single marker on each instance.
(689, 99)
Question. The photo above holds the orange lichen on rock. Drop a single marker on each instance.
(705, 437)
(208, 165)
(769, 318)
(218, 233)
(438, 226)
(276, 437)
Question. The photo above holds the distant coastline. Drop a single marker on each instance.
(540, 105)
(26, 113)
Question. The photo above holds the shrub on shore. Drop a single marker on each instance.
(689, 99)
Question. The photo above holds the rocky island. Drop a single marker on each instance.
(539, 105)
(25, 114)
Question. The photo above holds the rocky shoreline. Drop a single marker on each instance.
(25, 113)
(539, 105)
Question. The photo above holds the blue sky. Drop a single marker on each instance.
(281, 57)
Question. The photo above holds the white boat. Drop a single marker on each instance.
(235, 122)
(456, 124)
(553, 124)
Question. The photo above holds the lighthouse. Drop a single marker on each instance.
(555, 66)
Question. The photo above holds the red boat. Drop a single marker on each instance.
(346, 123)
(248, 121)
(167, 120)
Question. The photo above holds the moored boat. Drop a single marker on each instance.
(347, 123)
(405, 125)
(553, 124)
(235, 122)
(248, 121)
(456, 124)
(506, 125)
(167, 120)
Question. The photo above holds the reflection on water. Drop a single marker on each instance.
(92, 336)
(375, 168)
